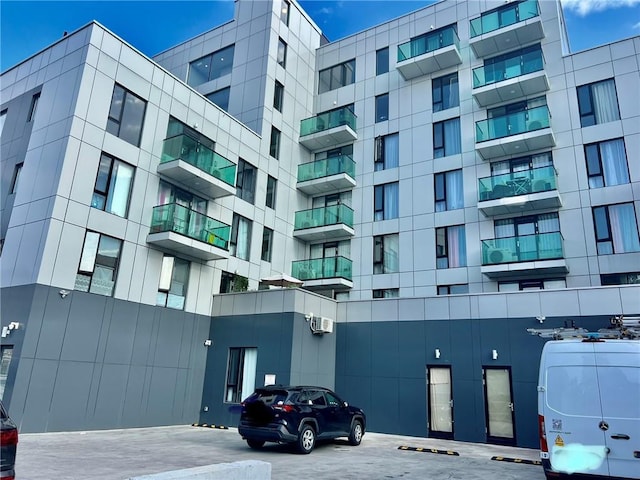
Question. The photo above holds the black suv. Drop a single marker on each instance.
(298, 415)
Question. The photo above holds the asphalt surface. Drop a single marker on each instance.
(120, 454)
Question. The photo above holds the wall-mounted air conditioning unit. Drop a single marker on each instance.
(499, 255)
(321, 325)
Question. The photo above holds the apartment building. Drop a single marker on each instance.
(439, 183)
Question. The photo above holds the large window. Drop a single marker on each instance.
(448, 190)
(270, 200)
(241, 374)
(382, 61)
(246, 181)
(538, 284)
(278, 96)
(453, 289)
(385, 201)
(598, 103)
(232, 282)
(274, 145)
(98, 264)
(632, 278)
(451, 248)
(385, 253)
(386, 293)
(606, 163)
(172, 288)
(446, 138)
(387, 151)
(240, 244)
(445, 92)
(168, 193)
(282, 53)
(382, 108)
(616, 229)
(126, 115)
(221, 98)
(113, 186)
(212, 66)
(267, 244)
(337, 76)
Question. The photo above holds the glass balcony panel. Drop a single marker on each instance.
(508, 68)
(428, 42)
(513, 124)
(536, 180)
(323, 216)
(510, 15)
(319, 268)
(179, 219)
(327, 167)
(328, 120)
(185, 148)
(526, 248)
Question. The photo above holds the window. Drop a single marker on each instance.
(172, 288)
(168, 193)
(616, 229)
(240, 243)
(337, 76)
(598, 103)
(382, 61)
(385, 253)
(385, 201)
(274, 145)
(524, 285)
(16, 178)
(386, 293)
(453, 289)
(284, 12)
(387, 152)
(126, 115)
(606, 163)
(451, 248)
(113, 186)
(210, 67)
(5, 362)
(232, 282)
(221, 98)
(446, 138)
(448, 190)
(382, 108)
(282, 53)
(34, 106)
(246, 181)
(3, 117)
(267, 242)
(278, 96)
(241, 374)
(270, 201)
(98, 264)
(445, 92)
(632, 278)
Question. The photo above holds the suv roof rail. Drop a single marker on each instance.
(621, 328)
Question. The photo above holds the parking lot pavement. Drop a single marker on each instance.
(120, 454)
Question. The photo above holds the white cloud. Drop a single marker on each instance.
(636, 26)
(585, 7)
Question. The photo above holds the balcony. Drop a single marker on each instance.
(178, 229)
(334, 222)
(514, 133)
(329, 128)
(324, 273)
(506, 28)
(327, 175)
(519, 192)
(540, 254)
(197, 166)
(429, 53)
(510, 79)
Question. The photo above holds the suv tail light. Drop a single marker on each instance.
(285, 408)
(543, 436)
(9, 437)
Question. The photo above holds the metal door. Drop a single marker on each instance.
(439, 402)
(499, 410)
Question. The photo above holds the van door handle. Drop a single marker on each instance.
(620, 436)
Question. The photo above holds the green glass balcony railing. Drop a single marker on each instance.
(319, 268)
(183, 147)
(527, 248)
(327, 167)
(503, 17)
(327, 120)
(543, 179)
(510, 67)
(513, 124)
(323, 216)
(179, 219)
(428, 42)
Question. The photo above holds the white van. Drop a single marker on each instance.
(589, 406)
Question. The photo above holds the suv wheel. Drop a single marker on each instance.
(255, 444)
(306, 439)
(355, 437)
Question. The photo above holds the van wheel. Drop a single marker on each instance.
(306, 439)
(255, 444)
(355, 437)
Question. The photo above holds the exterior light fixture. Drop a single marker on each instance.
(494, 354)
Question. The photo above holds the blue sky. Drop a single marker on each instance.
(153, 26)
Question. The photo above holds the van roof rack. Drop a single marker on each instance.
(621, 327)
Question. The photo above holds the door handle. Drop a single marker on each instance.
(620, 436)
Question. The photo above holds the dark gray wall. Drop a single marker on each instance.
(93, 362)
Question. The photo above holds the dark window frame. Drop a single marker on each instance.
(244, 191)
(272, 185)
(282, 47)
(34, 107)
(114, 123)
(438, 92)
(586, 104)
(382, 107)
(346, 75)
(267, 244)
(595, 168)
(15, 180)
(278, 96)
(105, 194)
(382, 60)
(225, 105)
(274, 143)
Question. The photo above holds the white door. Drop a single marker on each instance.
(499, 405)
(440, 403)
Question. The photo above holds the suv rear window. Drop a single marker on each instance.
(269, 397)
